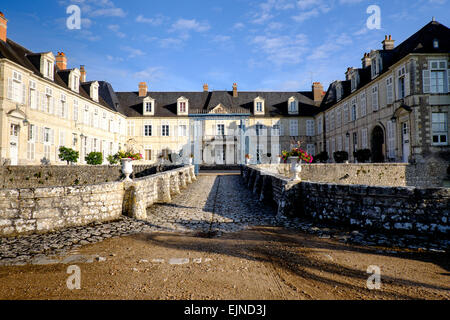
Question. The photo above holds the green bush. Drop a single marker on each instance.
(94, 158)
(321, 157)
(68, 154)
(340, 156)
(112, 159)
(362, 155)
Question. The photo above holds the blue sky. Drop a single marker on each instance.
(179, 45)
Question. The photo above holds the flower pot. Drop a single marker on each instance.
(296, 167)
(191, 161)
(247, 161)
(127, 168)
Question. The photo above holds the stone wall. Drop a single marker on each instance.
(39, 210)
(374, 174)
(421, 211)
(45, 176)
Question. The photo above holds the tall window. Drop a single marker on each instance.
(276, 129)
(389, 90)
(338, 117)
(355, 141)
(345, 113)
(440, 128)
(63, 112)
(182, 130)
(220, 129)
(147, 130)
(259, 107)
(354, 110)
(148, 107)
(293, 125)
(75, 110)
(362, 101)
(16, 88)
(391, 139)
(310, 128)
(364, 143)
(165, 130)
(332, 118)
(33, 95)
(182, 106)
(375, 98)
(148, 154)
(131, 128)
(401, 82)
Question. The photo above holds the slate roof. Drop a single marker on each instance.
(419, 42)
(30, 61)
(276, 103)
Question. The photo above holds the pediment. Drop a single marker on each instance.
(219, 109)
(17, 113)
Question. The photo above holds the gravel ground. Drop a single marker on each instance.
(216, 241)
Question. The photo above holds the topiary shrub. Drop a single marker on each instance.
(362, 155)
(94, 158)
(113, 159)
(68, 154)
(321, 157)
(340, 156)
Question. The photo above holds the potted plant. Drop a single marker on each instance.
(295, 157)
(126, 159)
(340, 156)
(362, 155)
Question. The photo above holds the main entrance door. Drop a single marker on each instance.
(405, 141)
(377, 144)
(14, 144)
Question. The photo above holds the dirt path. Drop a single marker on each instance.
(249, 258)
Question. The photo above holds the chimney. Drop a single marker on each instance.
(348, 74)
(3, 27)
(388, 43)
(366, 62)
(205, 87)
(235, 93)
(317, 89)
(61, 61)
(82, 74)
(142, 89)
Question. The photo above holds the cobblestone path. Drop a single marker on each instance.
(213, 204)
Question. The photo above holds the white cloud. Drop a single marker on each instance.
(284, 49)
(310, 9)
(331, 46)
(109, 12)
(171, 43)
(185, 25)
(221, 38)
(116, 29)
(158, 20)
(133, 52)
(150, 75)
(238, 26)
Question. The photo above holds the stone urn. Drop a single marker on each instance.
(296, 167)
(191, 161)
(247, 161)
(127, 168)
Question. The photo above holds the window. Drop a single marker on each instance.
(293, 128)
(345, 113)
(148, 107)
(375, 98)
(86, 114)
(374, 70)
(354, 114)
(362, 101)
(130, 128)
(355, 141)
(182, 107)
(389, 90)
(332, 118)
(401, 83)
(165, 130)
(259, 129)
(293, 106)
(338, 118)
(364, 144)
(391, 139)
(327, 122)
(48, 99)
(439, 122)
(339, 92)
(339, 143)
(62, 111)
(354, 81)
(436, 43)
(48, 69)
(437, 78)
(319, 125)
(47, 135)
(220, 129)
(148, 154)
(16, 89)
(276, 129)
(33, 95)
(75, 110)
(259, 107)
(310, 128)
(147, 130)
(74, 139)
(311, 149)
(182, 130)
(75, 83)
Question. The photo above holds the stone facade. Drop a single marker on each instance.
(39, 210)
(373, 174)
(420, 211)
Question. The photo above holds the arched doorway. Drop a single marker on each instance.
(377, 144)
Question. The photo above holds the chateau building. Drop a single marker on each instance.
(397, 105)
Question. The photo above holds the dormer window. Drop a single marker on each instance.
(354, 81)
(376, 66)
(182, 106)
(74, 80)
(293, 105)
(94, 91)
(48, 69)
(259, 106)
(436, 43)
(47, 62)
(149, 106)
(338, 92)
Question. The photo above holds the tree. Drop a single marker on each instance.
(68, 154)
(94, 158)
(112, 159)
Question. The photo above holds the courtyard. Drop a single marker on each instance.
(217, 241)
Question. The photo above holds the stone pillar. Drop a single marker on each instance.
(188, 176)
(174, 184)
(192, 173)
(164, 189)
(182, 180)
